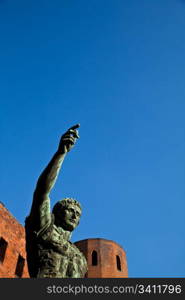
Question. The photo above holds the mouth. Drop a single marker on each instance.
(72, 221)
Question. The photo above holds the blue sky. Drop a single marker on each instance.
(117, 68)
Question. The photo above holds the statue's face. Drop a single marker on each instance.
(70, 217)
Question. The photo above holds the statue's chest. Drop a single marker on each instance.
(60, 256)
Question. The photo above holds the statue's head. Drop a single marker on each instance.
(67, 213)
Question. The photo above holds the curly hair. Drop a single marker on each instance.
(64, 203)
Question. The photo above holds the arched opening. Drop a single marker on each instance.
(94, 258)
(20, 266)
(3, 247)
(118, 262)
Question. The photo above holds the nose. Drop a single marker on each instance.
(74, 215)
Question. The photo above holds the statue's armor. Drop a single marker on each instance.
(50, 254)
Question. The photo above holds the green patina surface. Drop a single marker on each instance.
(49, 250)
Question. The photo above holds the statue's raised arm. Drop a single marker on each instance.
(40, 210)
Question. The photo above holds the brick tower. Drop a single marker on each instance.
(105, 258)
(12, 246)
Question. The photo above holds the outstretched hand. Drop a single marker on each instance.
(68, 139)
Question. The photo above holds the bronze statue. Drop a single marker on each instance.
(49, 251)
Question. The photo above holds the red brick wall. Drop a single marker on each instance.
(13, 233)
(107, 251)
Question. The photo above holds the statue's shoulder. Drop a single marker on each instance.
(32, 226)
(76, 251)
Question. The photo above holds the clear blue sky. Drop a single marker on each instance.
(118, 68)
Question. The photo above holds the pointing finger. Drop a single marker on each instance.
(75, 126)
